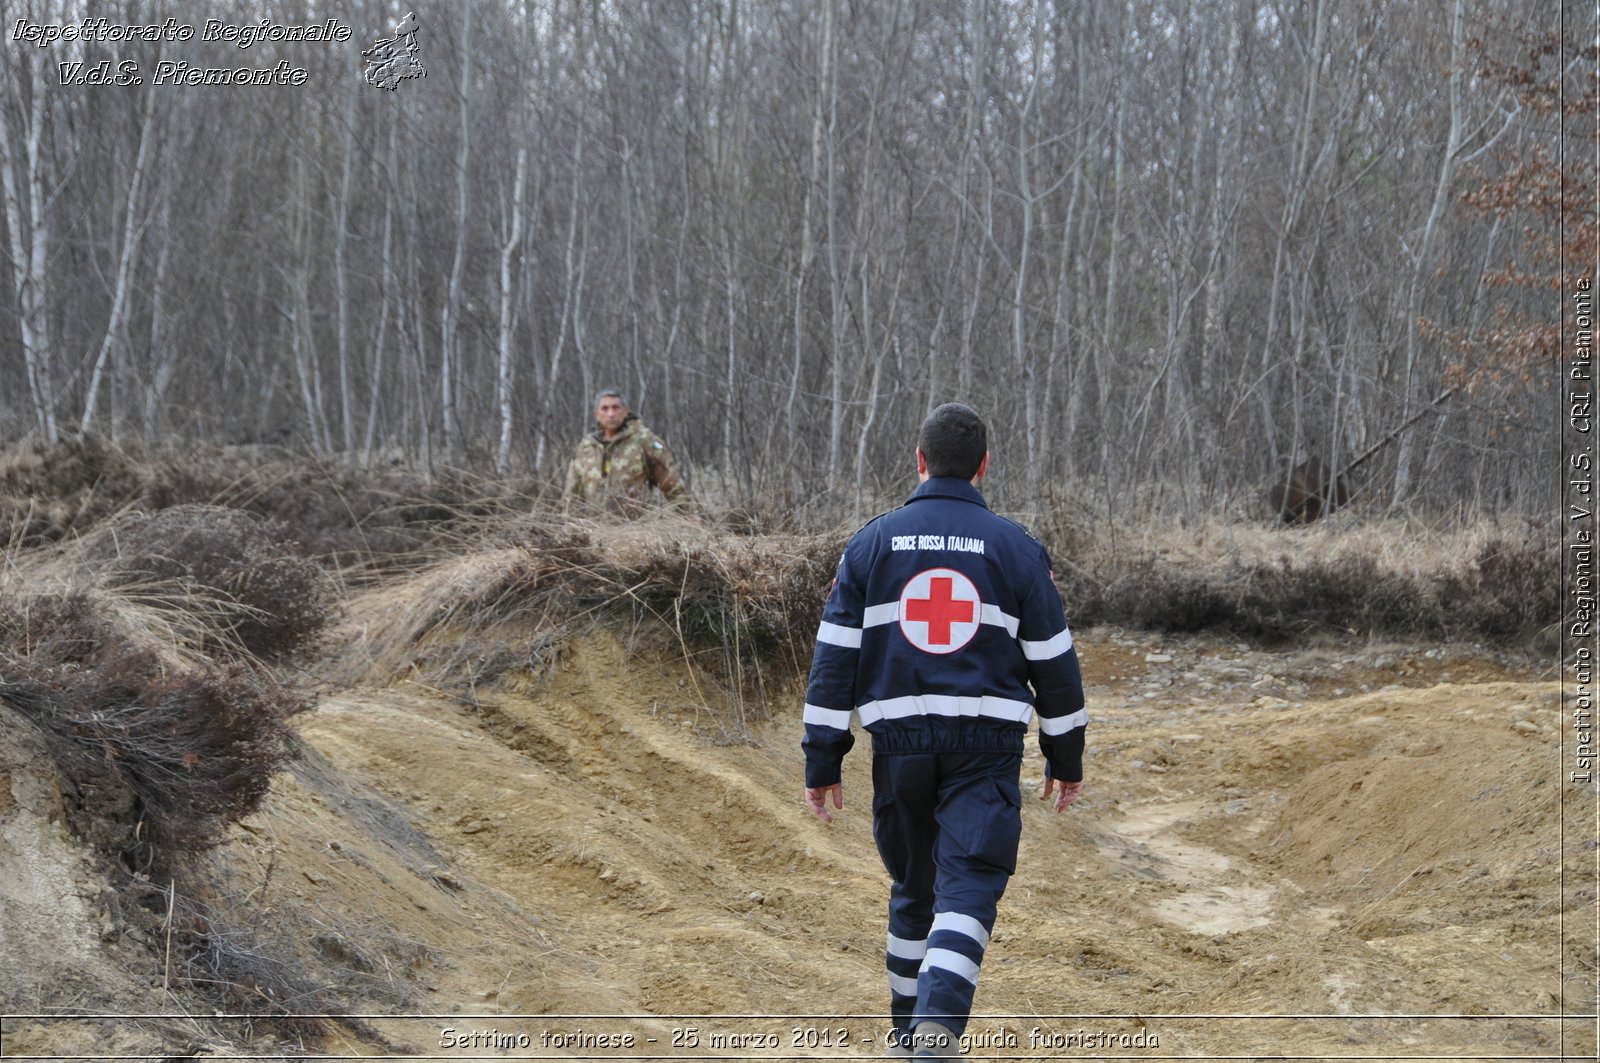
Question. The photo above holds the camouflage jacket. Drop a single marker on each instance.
(609, 471)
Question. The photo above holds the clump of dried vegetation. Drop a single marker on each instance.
(343, 518)
(141, 656)
(156, 760)
(746, 608)
(157, 754)
(242, 578)
(731, 591)
(1494, 581)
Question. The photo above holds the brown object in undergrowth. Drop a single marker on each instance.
(1312, 490)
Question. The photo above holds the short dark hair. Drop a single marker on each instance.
(953, 441)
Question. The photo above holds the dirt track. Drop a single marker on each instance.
(1364, 836)
(1292, 854)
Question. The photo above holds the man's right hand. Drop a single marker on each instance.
(1067, 794)
(817, 800)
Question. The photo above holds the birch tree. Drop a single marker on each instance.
(23, 115)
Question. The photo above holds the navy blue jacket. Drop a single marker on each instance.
(944, 632)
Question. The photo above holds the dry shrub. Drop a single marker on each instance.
(1511, 588)
(343, 517)
(1145, 592)
(240, 967)
(747, 605)
(1508, 591)
(156, 762)
(1267, 602)
(241, 575)
(48, 492)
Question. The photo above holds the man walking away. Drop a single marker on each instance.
(945, 634)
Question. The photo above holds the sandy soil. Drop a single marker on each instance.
(1339, 852)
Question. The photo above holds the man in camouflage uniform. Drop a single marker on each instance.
(617, 463)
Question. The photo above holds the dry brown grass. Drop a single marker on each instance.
(1410, 546)
(136, 651)
(459, 549)
(344, 517)
(1488, 579)
(50, 493)
(746, 607)
(189, 584)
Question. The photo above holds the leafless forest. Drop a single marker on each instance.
(1170, 247)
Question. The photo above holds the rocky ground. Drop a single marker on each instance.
(1343, 850)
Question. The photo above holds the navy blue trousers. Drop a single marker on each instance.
(947, 827)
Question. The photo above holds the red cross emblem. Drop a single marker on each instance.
(940, 610)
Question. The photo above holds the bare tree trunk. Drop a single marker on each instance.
(449, 353)
(580, 346)
(1107, 347)
(1294, 200)
(1213, 337)
(730, 381)
(836, 299)
(132, 229)
(571, 285)
(977, 65)
(680, 299)
(807, 245)
(163, 359)
(891, 341)
(29, 228)
(418, 405)
(505, 378)
(1019, 336)
(387, 297)
(864, 436)
(302, 338)
(865, 224)
(1430, 232)
(1071, 283)
(985, 239)
(641, 384)
(341, 237)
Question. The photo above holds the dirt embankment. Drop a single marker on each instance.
(1305, 853)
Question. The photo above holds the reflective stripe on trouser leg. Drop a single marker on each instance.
(903, 827)
(904, 960)
(949, 975)
(979, 816)
(951, 821)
